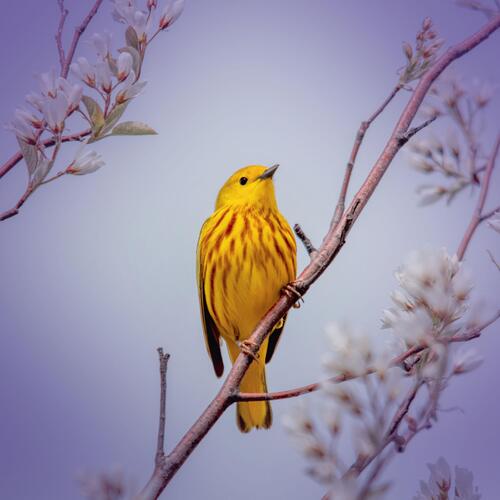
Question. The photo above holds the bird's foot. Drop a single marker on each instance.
(290, 290)
(247, 347)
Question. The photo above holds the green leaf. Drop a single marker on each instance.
(133, 128)
(131, 38)
(41, 172)
(113, 117)
(95, 113)
(30, 155)
(136, 59)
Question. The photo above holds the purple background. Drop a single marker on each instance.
(96, 272)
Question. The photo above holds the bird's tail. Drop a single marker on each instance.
(256, 414)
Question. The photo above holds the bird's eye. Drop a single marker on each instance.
(243, 181)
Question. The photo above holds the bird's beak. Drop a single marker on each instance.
(268, 173)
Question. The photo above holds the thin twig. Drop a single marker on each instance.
(330, 247)
(160, 447)
(76, 37)
(404, 138)
(60, 29)
(339, 209)
(30, 188)
(16, 158)
(311, 250)
(489, 214)
(476, 217)
(397, 361)
(493, 260)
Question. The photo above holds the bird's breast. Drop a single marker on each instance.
(250, 256)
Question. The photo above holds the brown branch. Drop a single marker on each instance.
(311, 250)
(76, 37)
(29, 190)
(360, 135)
(476, 218)
(160, 447)
(330, 247)
(60, 28)
(399, 360)
(16, 158)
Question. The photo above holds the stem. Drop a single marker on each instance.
(339, 209)
(76, 37)
(477, 216)
(16, 158)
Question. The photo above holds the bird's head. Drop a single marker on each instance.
(252, 185)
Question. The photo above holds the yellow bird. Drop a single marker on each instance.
(246, 256)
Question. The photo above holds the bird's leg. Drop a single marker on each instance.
(246, 347)
(290, 290)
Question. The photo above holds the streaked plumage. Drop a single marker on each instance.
(246, 255)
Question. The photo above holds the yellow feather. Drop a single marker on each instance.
(246, 254)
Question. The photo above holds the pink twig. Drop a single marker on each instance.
(60, 28)
(76, 37)
(478, 212)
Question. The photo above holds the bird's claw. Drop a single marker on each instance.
(247, 346)
(291, 291)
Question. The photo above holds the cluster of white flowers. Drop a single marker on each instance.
(427, 46)
(454, 159)
(50, 107)
(143, 21)
(440, 481)
(115, 79)
(433, 295)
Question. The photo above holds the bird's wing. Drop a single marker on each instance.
(273, 340)
(291, 253)
(210, 330)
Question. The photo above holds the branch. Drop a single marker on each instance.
(330, 247)
(16, 158)
(311, 250)
(76, 38)
(160, 447)
(477, 216)
(404, 138)
(339, 209)
(399, 360)
(60, 49)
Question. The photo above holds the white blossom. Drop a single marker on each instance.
(464, 488)
(104, 78)
(171, 13)
(129, 88)
(141, 22)
(123, 10)
(55, 112)
(22, 126)
(102, 44)
(440, 474)
(466, 360)
(36, 100)
(85, 162)
(72, 92)
(494, 222)
(48, 84)
(84, 70)
(350, 352)
(430, 194)
(124, 64)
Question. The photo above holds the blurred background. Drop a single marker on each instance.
(97, 272)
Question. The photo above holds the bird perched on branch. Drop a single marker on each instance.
(246, 256)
